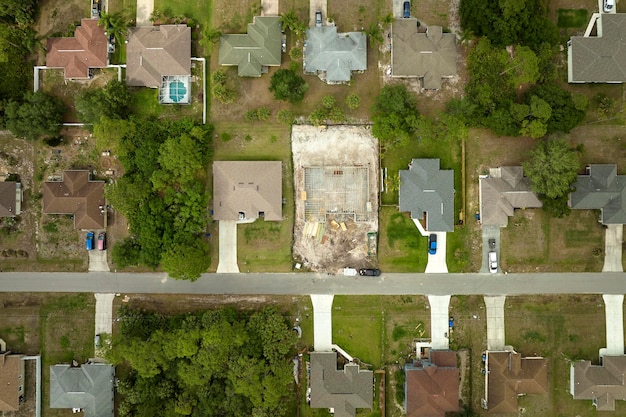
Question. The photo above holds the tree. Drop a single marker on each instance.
(353, 101)
(19, 11)
(39, 115)
(210, 36)
(263, 113)
(567, 110)
(284, 116)
(552, 168)
(126, 253)
(291, 21)
(287, 85)
(393, 109)
(115, 24)
(111, 102)
(328, 102)
(186, 261)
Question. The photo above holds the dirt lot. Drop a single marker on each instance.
(333, 247)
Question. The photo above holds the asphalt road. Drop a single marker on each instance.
(313, 283)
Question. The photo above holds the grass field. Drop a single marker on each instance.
(572, 18)
(401, 248)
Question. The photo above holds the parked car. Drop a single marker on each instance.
(369, 272)
(608, 6)
(406, 10)
(102, 241)
(349, 272)
(318, 19)
(432, 244)
(493, 262)
(89, 241)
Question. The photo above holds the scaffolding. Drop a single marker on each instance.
(338, 191)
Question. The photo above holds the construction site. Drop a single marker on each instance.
(336, 179)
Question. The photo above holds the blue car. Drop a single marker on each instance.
(89, 241)
(432, 244)
(406, 12)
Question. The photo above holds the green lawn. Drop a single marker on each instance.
(572, 18)
(401, 248)
(128, 7)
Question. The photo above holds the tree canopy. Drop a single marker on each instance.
(111, 102)
(213, 363)
(38, 115)
(393, 111)
(552, 168)
(287, 85)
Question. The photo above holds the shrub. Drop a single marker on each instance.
(353, 101)
(284, 117)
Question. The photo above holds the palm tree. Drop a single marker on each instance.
(115, 24)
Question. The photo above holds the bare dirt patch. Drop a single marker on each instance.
(338, 240)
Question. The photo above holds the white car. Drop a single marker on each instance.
(608, 5)
(493, 262)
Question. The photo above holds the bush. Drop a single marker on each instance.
(263, 113)
(328, 102)
(295, 54)
(287, 85)
(284, 117)
(353, 101)
(251, 116)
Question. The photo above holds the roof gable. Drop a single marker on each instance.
(249, 187)
(503, 191)
(344, 390)
(601, 188)
(430, 55)
(154, 52)
(88, 387)
(87, 49)
(600, 58)
(336, 53)
(424, 188)
(261, 46)
(76, 195)
(11, 379)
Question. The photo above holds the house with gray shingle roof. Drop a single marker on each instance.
(334, 55)
(253, 52)
(431, 387)
(600, 58)
(603, 384)
(503, 191)
(88, 387)
(601, 188)
(344, 390)
(10, 198)
(247, 190)
(427, 192)
(427, 54)
(154, 52)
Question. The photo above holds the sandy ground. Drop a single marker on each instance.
(334, 146)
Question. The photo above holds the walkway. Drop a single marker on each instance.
(495, 322)
(439, 321)
(613, 240)
(144, 12)
(227, 247)
(614, 310)
(322, 322)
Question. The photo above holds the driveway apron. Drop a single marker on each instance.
(437, 262)
(614, 310)
(613, 248)
(439, 321)
(495, 322)
(227, 247)
(322, 322)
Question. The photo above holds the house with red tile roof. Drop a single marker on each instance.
(431, 387)
(87, 49)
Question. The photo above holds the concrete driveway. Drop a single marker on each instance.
(322, 322)
(144, 12)
(397, 8)
(490, 232)
(228, 247)
(98, 260)
(314, 6)
(269, 7)
(495, 322)
(437, 262)
(104, 313)
(614, 310)
(613, 238)
(439, 321)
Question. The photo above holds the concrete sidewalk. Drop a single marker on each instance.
(227, 247)
(439, 321)
(495, 322)
(322, 322)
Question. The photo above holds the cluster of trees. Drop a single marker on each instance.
(287, 85)
(220, 90)
(212, 363)
(162, 192)
(36, 115)
(111, 102)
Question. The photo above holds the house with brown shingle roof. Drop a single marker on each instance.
(501, 192)
(343, 390)
(155, 52)
(11, 381)
(509, 376)
(431, 387)
(428, 54)
(76, 194)
(247, 190)
(10, 198)
(603, 384)
(87, 49)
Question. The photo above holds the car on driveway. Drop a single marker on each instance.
(432, 244)
(369, 272)
(89, 241)
(492, 244)
(102, 241)
(318, 19)
(493, 262)
(608, 5)
(406, 9)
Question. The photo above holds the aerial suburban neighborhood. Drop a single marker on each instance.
(312, 208)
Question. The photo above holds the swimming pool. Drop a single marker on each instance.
(175, 89)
